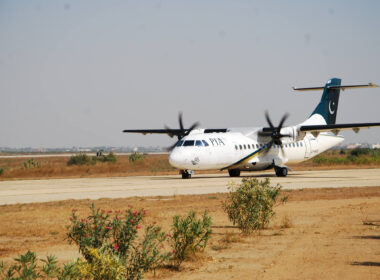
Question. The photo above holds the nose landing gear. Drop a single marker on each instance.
(186, 174)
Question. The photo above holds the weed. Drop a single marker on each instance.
(26, 267)
(230, 238)
(136, 157)
(286, 222)
(219, 247)
(30, 163)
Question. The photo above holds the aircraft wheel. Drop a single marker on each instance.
(234, 172)
(185, 174)
(281, 171)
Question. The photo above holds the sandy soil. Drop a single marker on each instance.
(318, 234)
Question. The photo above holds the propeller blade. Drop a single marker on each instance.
(282, 121)
(191, 128)
(265, 133)
(268, 120)
(180, 120)
(267, 148)
(169, 149)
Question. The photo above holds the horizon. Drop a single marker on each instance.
(78, 73)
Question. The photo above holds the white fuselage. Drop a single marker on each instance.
(245, 151)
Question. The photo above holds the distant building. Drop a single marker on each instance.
(354, 146)
(375, 146)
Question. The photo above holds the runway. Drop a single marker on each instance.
(29, 191)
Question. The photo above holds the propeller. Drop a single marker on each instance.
(182, 132)
(274, 133)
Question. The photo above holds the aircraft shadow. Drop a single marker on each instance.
(195, 177)
(366, 263)
(368, 237)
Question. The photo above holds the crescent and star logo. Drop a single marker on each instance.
(332, 107)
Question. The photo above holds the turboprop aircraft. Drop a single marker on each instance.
(260, 148)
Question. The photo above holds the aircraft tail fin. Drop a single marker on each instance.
(327, 108)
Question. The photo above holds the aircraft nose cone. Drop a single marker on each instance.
(175, 159)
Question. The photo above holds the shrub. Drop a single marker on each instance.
(360, 151)
(104, 266)
(80, 159)
(189, 234)
(250, 205)
(106, 158)
(26, 267)
(30, 163)
(136, 157)
(1, 171)
(114, 235)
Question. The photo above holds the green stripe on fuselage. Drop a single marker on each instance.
(244, 159)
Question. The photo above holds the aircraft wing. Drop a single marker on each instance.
(170, 132)
(336, 127)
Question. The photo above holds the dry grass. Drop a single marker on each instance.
(154, 164)
(286, 222)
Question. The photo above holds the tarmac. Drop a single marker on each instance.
(30, 191)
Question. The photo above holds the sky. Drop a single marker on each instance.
(76, 73)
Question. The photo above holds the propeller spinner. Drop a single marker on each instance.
(274, 133)
(182, 131)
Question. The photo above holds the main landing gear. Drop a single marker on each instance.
(234, 172)
(281, 171)
(186, 174)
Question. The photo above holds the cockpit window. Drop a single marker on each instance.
(189, 143)
(198, 143)
(205, 143)
(179, 144)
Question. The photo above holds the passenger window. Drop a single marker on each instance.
(189, 143)
(257, 146)
(198, 143)
(236, 147)
(249, 146)
(301, 144)
(297, 144)
(294, 145)
(205, 143)
(179, 144)
(245, 147)
(240, 147)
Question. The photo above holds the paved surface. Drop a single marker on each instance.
(27, 191)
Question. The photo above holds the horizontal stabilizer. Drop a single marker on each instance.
(337, 127)
(369, 85)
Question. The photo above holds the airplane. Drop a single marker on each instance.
(260, 148)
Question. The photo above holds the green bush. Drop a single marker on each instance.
(360, 151)
(189, 234)
(115, 235)
(106, 158)
(250, 204)
(80, 159)
(30, 163)
(1, 171)
(26, 267)
(136, 157)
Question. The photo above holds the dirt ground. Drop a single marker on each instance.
(317, 234)
(153, 164)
